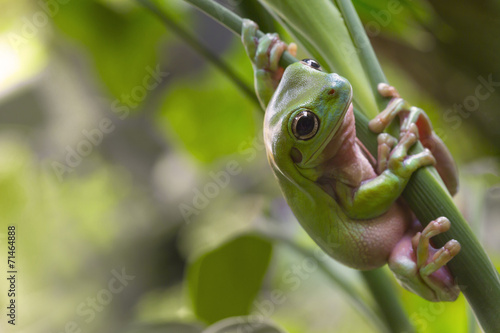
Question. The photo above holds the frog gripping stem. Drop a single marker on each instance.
(265, 53)
(432, 280)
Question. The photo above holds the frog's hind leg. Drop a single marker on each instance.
(421, 268)
(433, 270)
(409, 115)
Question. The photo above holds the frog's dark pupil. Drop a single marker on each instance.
(312, 63)
(305, 124)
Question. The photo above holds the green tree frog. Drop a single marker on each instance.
(348, 202)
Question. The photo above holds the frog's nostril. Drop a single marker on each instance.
(296, 155)
(331, 92)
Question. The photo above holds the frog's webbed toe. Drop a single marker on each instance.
(410, 116)
(393, 155)
(386, 143)
(421, 268)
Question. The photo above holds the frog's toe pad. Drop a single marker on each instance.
(386, 90)
(421, 268)
(292, 49)
(447, 252)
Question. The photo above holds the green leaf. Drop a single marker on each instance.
(224, 282)
(107, 34)
(208, 114)
(243, 324)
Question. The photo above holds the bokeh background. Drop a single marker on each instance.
(111, 126)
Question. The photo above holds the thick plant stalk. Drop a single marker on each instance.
(387, 300)
(473, 270)
(367, 55)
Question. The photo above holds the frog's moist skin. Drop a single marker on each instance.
(332, 156)
(347, 202)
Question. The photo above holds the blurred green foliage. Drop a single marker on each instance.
(120, 66)
(118, 208)
(237, 279)
(205, 131)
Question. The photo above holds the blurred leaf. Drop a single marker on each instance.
(208, 113)
(224, 282)
(122, 44)
(243, 324)
(165, 328)
(397, 19)
(434, 317)
(13, 197)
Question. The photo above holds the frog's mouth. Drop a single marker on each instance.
(331, 134)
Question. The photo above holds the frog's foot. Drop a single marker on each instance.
(398, 161)
(421, 268)
(385, 144)
(265, 53)
(387, 91)
(408, 116)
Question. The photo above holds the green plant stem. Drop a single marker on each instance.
(475, 274)
(354, 297)
(233, 22)
(383, 293)
(473, 270)
(196, 44)
(367, 55)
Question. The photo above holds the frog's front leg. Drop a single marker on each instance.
(420, 268)
(375, 196)
(265, 53)
(445, 165)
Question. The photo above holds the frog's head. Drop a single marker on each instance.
(303, 116)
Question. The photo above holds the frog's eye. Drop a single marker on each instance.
(312, 63)
(305, 125)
